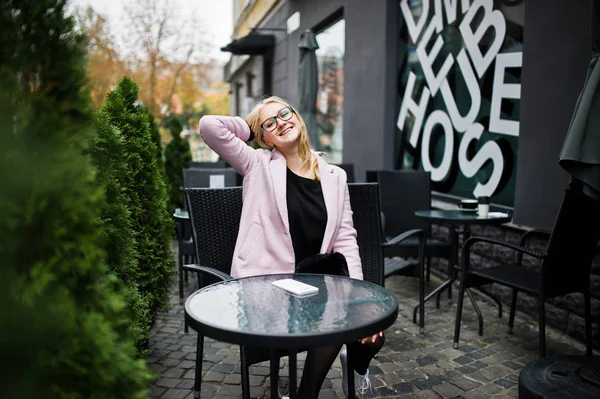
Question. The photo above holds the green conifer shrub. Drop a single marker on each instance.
(145, 189)
(63, 330)
(108, 153)
(177, 158)
(156, 140)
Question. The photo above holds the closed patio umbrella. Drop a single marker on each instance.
(580, 155)
(308, 84)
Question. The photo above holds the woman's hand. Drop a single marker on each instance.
(371, 338)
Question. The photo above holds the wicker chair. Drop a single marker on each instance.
(349, 169)
(565, 264)
(215, 216)
(208, 165)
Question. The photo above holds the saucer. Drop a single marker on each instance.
(467, 210)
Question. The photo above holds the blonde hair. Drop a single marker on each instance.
(309, 159)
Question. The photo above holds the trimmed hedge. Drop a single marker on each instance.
(177, 158)
(155, 134)
(146, 192)
(63, 330)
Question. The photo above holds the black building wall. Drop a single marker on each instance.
(556, 53)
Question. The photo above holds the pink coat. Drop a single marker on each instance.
(264, 244)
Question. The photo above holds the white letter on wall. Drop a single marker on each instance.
(502, 90)
(491, 19)
(418, 110)
(462, 123)
(450, 6)
(427, 60)
(414, 28)
(489, 151)
(441, 172)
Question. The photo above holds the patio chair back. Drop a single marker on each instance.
(349, 169)
(402, 193)
(196, 178)
(364, 199)
(215, 216)
(574, 239)
(208, 165)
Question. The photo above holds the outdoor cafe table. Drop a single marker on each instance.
(251, 311)
(455, 218)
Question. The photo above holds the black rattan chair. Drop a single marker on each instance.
(402, 194)
(215, 216)
(208, 165)
(565, 264)
(349, 169)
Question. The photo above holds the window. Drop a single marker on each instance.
(459, 95)
(330, 97)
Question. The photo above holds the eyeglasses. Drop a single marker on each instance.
(285, 114)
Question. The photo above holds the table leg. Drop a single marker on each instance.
(311, 369)
(293, 363)
(274, 373)
(351, 384)
(198, 371)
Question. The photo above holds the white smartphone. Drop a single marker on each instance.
(295, 287)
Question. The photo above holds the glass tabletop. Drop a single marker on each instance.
(181, 215)
(253, 311)
(464, 217)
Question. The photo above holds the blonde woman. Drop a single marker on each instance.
(295, 205)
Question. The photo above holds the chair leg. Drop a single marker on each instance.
(428, 269)
(179, 266)
(459, 308)
(198, 373)
(542, 325)
(422, 297)
(479, 314)
(245, 370)
(274, 366)
(513, 308)
(588, 324)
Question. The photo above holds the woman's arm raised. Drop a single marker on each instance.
(226, 135)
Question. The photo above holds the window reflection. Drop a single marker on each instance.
(330, 97)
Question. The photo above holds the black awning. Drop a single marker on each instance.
(252, 44)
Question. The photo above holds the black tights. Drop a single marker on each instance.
(324, 358)
(359, 355)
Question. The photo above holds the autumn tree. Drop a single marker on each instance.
(166, 44)
(105, 63)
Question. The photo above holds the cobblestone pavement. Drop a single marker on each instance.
(410, 365)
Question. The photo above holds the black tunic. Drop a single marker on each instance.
(307, 215)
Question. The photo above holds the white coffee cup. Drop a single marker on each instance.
(483, 210)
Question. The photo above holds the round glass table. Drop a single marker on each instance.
(455, 218)
(252, 311)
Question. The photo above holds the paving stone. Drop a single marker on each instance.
(168, 382)
(403, 387)
(256, 380)
(155, 392)
(186, 384)
(447, 390)
(173, 373)
(231, 390)
(233, 379)
(223, 368)
(466, 384)
(187, 364)
(504, 383)
(176, 394)
(213, 376)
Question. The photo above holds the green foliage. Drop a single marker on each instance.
(155, 133)
(108, 152)
(63, 329)
(177, 158)
(145, 189)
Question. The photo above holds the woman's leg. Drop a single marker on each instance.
(360, 355)
(324, 358)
